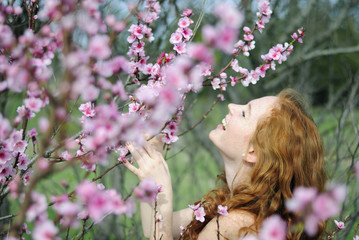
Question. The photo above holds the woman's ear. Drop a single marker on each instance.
(251, 156)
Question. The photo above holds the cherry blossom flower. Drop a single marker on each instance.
(356, 237)
(34, 104)
(273, 228)
(215, 83)
(176, 38)
(180, 48)
(222, 210)
(98, 47)
(340, 225)
(45, 230)
(302, 196)
(147, 190)
(199, 214)
(87, 109)
(184, 22)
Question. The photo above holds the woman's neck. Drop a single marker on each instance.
(238, 171)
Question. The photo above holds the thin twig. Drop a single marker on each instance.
(7, 217)
(201, 120)
(155, 214)
(217, 226)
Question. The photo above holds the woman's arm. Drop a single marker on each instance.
(151, 164)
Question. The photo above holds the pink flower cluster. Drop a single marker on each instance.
(315, 207)
(198, 211)
(183, 32)
(147, 190)
(224, 34)
(273, 228)
(278, 53)
(263, 14)
(95, 203)
(12, 152)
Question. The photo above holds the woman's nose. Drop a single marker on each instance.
(233, 108)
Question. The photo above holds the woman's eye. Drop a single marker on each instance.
(243, 114)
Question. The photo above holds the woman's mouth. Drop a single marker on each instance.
(224, 124)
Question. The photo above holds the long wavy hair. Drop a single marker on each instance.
(289, 154)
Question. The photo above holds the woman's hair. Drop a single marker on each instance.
(289, 154)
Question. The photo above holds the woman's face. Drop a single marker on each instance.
(232, 136)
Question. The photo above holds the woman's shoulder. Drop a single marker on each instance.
(229, 225)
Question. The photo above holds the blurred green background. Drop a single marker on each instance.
(325, 69)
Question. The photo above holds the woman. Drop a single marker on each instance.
(269, 147)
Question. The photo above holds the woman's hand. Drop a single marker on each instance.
(150, 161)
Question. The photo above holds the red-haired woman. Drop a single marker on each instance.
(269, 147)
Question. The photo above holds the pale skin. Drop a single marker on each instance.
(239, 157)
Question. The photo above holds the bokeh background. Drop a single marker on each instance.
(325, 69)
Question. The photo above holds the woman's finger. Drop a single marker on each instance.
(132, 168)
(134, 152)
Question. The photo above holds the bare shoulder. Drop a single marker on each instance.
(228, 225)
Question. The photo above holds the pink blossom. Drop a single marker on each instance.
(86, 190)
(340, 225)
(66, 155)
(7, 37)
(184, 22)
(5, 156)
(215, 83)
(228, 13)
(311, 225)
(180, 48)
(199, 214)
(338, 192)
(247, 30)
(38, 206)
(187, 12)
(209, 34)
(187, 33)
(20, 146)
(302, 196)
(87, 109)
(23, 161)
(45, 230)
(273, 228)
(248, 37)
(222, 210)
(169, 138)
(176, 38)
(90, 93)
(234, 80)
(34, 104)
(43, 124)
(325, 207)
(225, 38)
(356, 237)
(32, 132)
(195, 207)
(133, 107)
(99, 47)
(99, 206)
